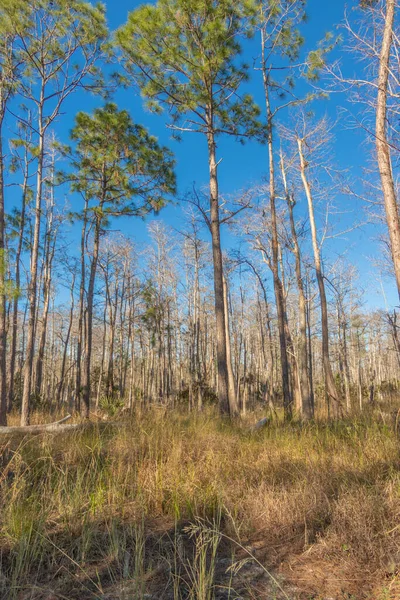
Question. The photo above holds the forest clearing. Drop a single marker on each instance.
(199, 300)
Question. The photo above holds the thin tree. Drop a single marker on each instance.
(382, 142)
(305, 388)
(52, 226)
(280, 45)
(310, 141)
(22, 159)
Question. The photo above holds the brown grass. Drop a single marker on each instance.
(91, 514)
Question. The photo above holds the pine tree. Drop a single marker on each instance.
(184, 55)
(120, 170)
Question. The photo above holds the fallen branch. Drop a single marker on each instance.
(260, 424)
(58, 427)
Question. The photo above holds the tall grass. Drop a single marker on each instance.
(101, 512)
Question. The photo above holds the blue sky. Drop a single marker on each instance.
(245, 166)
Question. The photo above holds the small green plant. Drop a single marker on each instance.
(201, 568)
(111, 404)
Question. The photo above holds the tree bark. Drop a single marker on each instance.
(278, 288)
(342, 335)
(32, 288)
(328, 375)
(303, 352)
(14, 327)
(66, 343)
(78, 375)
(3, 333)
(103, 356)
(85, 408)
(233, 403)
(223, 385)
(49, 251)
(382, 144)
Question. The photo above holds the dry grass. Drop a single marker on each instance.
(106, 514)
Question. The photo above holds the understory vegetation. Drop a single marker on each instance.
(170, 505)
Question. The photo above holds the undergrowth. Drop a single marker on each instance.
(174, 506)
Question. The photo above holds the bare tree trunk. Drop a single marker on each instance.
(328, 375)
(382, 144)
(32, 288)
(310, 354)
(85, 409)
(123, 362)
(78, 375)
(14, 328)
(131, 320)
(270, 384)
(278, 288)
(103, 355)
(394, 329)
(342, 335)
(3, 334)
(66, 344)
(223, 385)
(112, 310)
(234, 410)
(49, 251)
(303, 357)
(279, 299)
(359, 373)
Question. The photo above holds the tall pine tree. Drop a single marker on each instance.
(184, 55)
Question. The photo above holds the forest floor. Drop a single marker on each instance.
(174, 507)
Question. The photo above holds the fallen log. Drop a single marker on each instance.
(56, 426)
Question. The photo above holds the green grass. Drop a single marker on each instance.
(128, 511)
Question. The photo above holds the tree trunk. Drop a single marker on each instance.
(223, 385)
(233, 404)
(392, 320)
(330, 386)
(279, 297)
(382, 144)
(50, 246)
(32, 288)
(3, 335)
(66, 343)
(14, 328)
(103, 355)
(342, 335)
(303, 352)
(278, 288)
(112, 310)
(85, 409)
(131, 319)
(78, 375)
